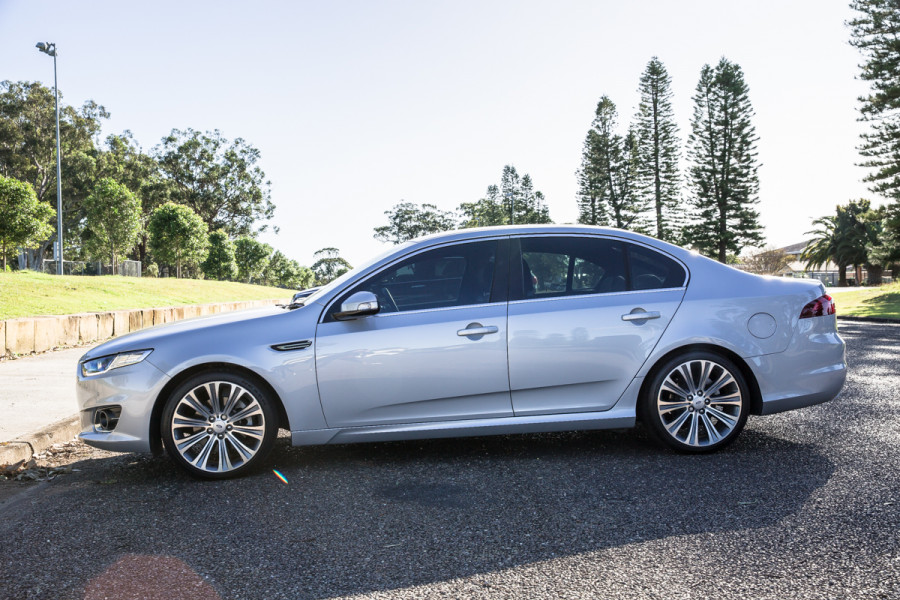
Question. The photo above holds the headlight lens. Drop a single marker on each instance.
(95, 366)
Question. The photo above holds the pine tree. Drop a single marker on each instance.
(608, 194)
(591, 208)
(658, 181)
(875, 33)
(514, 201)
(723, 178)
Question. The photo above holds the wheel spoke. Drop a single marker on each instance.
(246, 452)
(213, 389)
(705, 374)
(224, 460)
(675, 425)
(236, 393)
(203, 456)
(694, 431)
(251, 410)
(185, 422)
(190, 441)
(195, 404)
(670, 385)
(727, 419)
(711, 431)
(667, 407)
(723, 380)
(688, 377)
(254, 432)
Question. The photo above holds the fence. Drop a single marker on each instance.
(126, 268)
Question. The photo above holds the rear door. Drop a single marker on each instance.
(585, 312)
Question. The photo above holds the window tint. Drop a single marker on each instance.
(560, 266)
(449, 276)
(651, 270)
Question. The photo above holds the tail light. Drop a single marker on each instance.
(821, 306)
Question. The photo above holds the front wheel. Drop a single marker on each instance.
(218, 425)
(696, 402)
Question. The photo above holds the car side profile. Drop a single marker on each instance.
(475, 332)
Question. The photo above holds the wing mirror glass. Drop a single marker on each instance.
(360, 304)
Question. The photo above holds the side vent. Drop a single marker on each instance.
(288, 346)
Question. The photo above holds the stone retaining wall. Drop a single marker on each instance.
(39, 334)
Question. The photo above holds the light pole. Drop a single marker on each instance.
(50, 48)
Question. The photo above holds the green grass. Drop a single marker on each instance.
(31, 294)
(882, 302)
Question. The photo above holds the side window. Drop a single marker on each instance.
(651, 270)
(564, 266)
(448, 276)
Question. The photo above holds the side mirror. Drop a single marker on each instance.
(360, 304)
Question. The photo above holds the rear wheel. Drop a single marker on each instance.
(696, 402)
(218, 425)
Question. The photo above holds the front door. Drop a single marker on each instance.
(436, 351)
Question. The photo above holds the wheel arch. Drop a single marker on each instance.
(746, 371)
(156, 433)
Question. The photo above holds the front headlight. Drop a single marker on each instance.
(95, 366)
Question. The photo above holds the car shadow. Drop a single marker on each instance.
(362, 518)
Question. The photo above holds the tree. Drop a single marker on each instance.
(723, 178)
(329, 265)
(23, 218)
(875, 33)
(220, 180)
(28, 152)
(177, 235)
(591, 204)
(285, 272)
(113, 217)
(252, 258)
(844, 239)
(607, 192)
(124, 161)
(886, 249)
(220, 262)
(514, 201)
(768, 261)
(407, 221)
(657, 179)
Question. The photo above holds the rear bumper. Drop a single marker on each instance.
(810, 371)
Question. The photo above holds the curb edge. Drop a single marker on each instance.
(23, 448)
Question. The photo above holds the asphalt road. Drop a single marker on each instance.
(804, 505)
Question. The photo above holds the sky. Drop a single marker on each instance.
(358, 105)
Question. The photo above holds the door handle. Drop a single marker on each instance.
(643, 315)
(477, 329)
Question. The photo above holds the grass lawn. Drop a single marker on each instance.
(30, 294)
(883, 302)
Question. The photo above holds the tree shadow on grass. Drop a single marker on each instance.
(361, 518)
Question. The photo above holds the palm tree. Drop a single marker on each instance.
(824, 247)
(844, 239)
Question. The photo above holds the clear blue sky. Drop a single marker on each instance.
(357, 105)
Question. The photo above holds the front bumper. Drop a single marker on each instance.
(135, 389)
(810, 371)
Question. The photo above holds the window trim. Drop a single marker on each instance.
(516, 281)
(501, 241)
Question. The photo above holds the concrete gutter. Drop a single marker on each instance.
(22, 449)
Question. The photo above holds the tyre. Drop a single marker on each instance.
(696, 402)
(218, 425)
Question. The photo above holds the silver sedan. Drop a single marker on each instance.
(476, 332)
